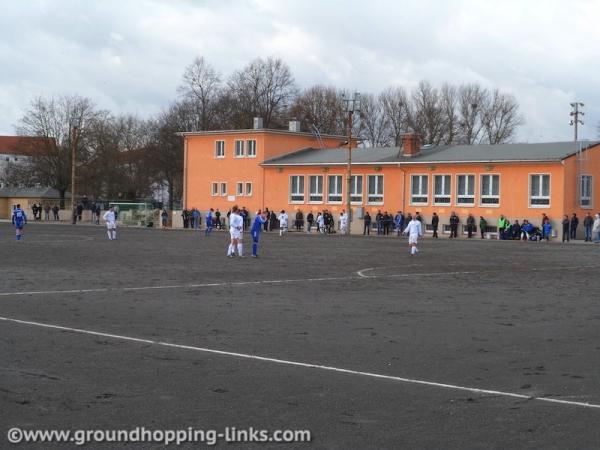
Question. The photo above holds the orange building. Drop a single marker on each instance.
(288, 171)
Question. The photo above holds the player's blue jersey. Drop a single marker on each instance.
(209, 220)
(258, 224)
(19, 218)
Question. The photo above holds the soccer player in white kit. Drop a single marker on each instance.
(413, 231)
(111, 223)
(343, 222)
(283, 222)
(236, 227)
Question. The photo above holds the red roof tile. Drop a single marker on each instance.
(21, 145)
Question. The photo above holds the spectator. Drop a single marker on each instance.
(309, 220)
(185, 215)
(344, 222)
(299, 220)
(573, 226)
(34, 210)
(470, 225)
(399, 223)
(218, 223)
(164, 218)
(482, 226)
(515, 230)
(379, 222)
(320, 223)
(435, 221)
(454, 220)
(388, 220)
(245, 217)
(268, 218)
(367, 222)
(98, 210)
(56, 209)
(596, 228)
(79, 212)
(565, 228)
(47, 212)
(503, 224)
(209, 222)
(546, 229)
(196, 218)
(526, 230)
(588, 223)
(272, 221)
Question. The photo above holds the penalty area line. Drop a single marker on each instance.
(305, 365)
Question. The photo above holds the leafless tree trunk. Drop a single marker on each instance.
(201, 86)
(500, 117)
(394, 102)
(471, 101)
(373, 122)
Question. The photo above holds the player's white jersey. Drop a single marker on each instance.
(109, 216)
(236, 222)
(413, 228)
(283, 220)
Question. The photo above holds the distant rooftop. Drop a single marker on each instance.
(21, 145)
(257, 131)
(551, 151)
(44, 192)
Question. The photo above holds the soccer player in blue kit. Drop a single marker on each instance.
(257, 227)
(19, 220)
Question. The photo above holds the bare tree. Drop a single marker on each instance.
(53, 120)
(450, 120)
(471, 101)
(500, 117)
(263, 89)
(322, 108)
(201, 86)
(373, 122)
(426, 113)
(394, 102)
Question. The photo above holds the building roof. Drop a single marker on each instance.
(258, 130)
(46, 192)
(539, 152)
(21, 145)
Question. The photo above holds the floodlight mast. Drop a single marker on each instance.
(575, 121)
(352, 106)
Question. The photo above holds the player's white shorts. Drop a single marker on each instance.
(111, 225)
(235, 234)
(412, 239)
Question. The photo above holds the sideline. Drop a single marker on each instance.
(305, 365)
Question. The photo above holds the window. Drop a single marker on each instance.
(297, 189)
(251, 148)
(215, 189)
(585, 196)
(539, 191)
(490, 190)
(419, 192)
(239, 149)
(356, 189)
(441, 189)
(465, 190)
(334, 189)
(239, 189)
(315, 188)
(248, 189)
(219, 149)
(223, 189)
(375, 192)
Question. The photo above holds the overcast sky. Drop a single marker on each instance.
(128, 55)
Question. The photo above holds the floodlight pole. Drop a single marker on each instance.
(575, 121)
(73, 161)
(352, 106)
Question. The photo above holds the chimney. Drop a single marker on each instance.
(411, 145)
(294, 126)
(258, 123)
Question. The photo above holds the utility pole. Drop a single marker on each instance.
(73, 161)
(352, 106)
(575, 116)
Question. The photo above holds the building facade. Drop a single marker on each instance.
(287, 171)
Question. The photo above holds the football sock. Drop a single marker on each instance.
(240, 249)
(254, 248)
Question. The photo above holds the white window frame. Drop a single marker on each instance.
(378, 192)
(540, 187)
(239, 189)
(249, 188)
(251, 148)
(299, 192)
(492, 196)
(223, 185)
(590, 185)
(215, 189)
(460, 196)
(445, 177)
(354, 184)
(238, 149)
(220, 149)
(422, 184)
(339, 192)
(310, 193)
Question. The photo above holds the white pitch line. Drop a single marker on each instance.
(305, 365)
(359, 276)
